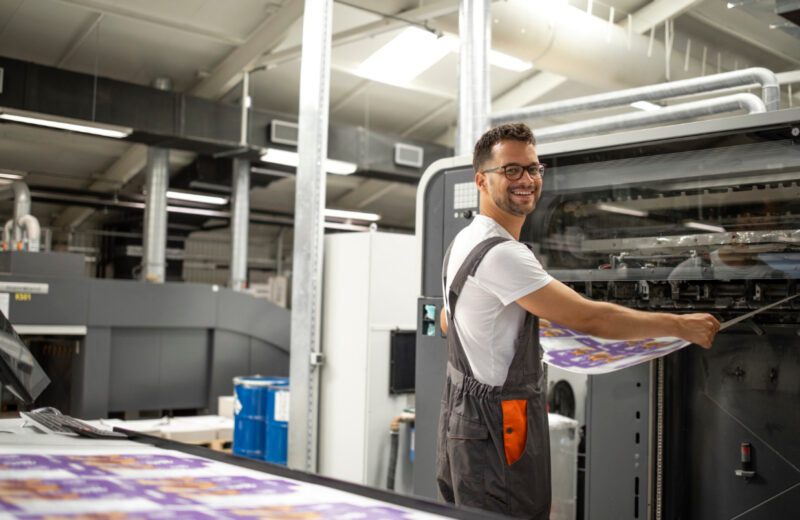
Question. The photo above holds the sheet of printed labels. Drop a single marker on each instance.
(585, 354)
(148, 483)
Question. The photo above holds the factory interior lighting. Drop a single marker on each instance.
(11, 175)
(623, 211)
(352, 215)
(196, 197)
(289, 158)
(65, 123)
(415, 50)
(645, 105)
(704, 227)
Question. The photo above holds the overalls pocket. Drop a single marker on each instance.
(468, 448)
(515, 428)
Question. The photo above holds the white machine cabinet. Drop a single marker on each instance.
(371, 281)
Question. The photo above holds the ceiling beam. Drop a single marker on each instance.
(350, 95)
(741, 25)
(437, 112)
(658, 12)
(364, 194)
(131, 14)
(527, 90)
(125, 168)
(419, 14)
(269, 34)
(94, 21)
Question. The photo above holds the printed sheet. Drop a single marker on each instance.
(153, 484)
(584, 354)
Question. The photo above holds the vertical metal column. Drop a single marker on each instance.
(240, 224)
(279, 253)
(475, 31)
(312, 146)
(155, 215)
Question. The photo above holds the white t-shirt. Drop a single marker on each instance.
(487, 315)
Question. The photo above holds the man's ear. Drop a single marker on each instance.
(480, 180)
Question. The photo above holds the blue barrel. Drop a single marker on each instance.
(250, 414)
(276, 439)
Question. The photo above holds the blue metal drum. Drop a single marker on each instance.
(250, 414)
(276, 439)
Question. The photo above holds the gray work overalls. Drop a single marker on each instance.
(494, 445)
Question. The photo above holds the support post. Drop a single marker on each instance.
(475, 30)
(155, 216)
(240, 224)
(312, 147)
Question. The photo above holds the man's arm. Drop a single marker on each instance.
(560, 304)
(443, 320)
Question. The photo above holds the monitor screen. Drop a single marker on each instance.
(402, 373)
(19, 371)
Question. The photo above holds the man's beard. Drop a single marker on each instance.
(503, 201)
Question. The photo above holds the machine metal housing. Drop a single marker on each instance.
(697, 217)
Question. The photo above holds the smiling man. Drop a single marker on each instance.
(494, 451)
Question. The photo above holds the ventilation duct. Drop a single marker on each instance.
(706, 107)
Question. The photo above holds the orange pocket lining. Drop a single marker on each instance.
(515, 428)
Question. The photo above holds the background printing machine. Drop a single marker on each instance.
(703, 216)
(113, 346)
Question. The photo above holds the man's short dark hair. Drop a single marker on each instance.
(505, 132)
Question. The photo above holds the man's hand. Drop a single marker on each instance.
(698, 328)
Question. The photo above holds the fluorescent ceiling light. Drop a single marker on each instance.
(289, 158)
(196, 197)
(415, 50)
(12, 174)
(623, 211)
(405, 57)
(345, 227)
(704, 227)
(65, 123)
(352, 215)
(340, 167)
(645, 105)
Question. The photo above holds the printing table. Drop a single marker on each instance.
(148, 478)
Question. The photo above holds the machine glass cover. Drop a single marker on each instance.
(19, 371)
(723, 212)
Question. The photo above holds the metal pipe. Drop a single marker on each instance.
(7, 233)
(312, 147)
(770, 93)
(240, 215)
(22, 204)
(706, 107)
(475, 30)
(243, 134)
(279, 253)
(32, 229)
(155, 215)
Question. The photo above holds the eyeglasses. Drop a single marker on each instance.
(513, 172)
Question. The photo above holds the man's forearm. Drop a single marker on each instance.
(617, 322)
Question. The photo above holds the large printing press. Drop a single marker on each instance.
(703, 216)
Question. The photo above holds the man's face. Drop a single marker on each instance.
(517, 197)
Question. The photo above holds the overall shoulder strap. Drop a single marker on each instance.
(467, 269)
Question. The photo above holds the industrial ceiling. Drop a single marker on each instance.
(200, 48)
